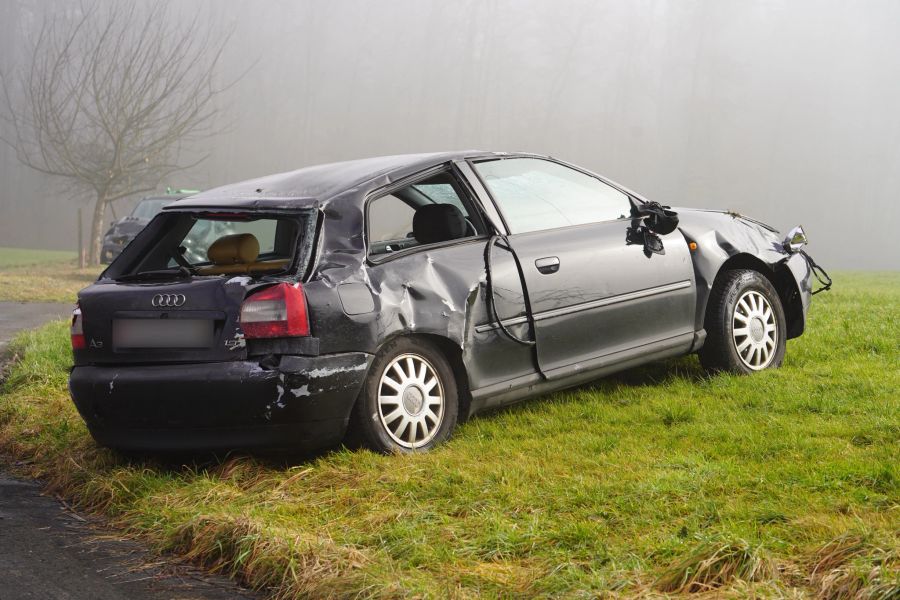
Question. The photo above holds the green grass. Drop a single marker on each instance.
(41, 275)
(658, 480)
(19, 257)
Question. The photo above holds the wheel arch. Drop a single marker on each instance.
(453, 353)
(779, 275)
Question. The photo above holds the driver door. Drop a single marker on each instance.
(595, 298)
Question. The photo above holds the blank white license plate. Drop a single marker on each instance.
(162, 333)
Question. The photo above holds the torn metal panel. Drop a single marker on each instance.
(722, 235)
(438, 294)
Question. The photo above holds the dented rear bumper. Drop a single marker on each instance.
(294, 402)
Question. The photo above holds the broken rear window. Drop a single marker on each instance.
(182, 243)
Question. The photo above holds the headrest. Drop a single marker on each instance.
(438, 223)
(238, 248)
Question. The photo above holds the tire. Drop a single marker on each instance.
(745, 324)
(399, 409)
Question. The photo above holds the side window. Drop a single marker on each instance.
(390, 220)
(441, 192)
(536, 194)
(444, 213)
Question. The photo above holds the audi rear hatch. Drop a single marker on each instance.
(175, 293)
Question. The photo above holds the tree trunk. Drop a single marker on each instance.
(96, 240)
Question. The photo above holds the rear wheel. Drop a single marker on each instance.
(745, 324)
(409, 401)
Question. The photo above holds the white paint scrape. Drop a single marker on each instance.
(242, 281)
(301, 391)
(328, 372)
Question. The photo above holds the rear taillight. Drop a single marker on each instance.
(77, 329)
(277, 311)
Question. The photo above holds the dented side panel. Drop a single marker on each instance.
(438, 292)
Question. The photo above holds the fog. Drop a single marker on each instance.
(785, 110)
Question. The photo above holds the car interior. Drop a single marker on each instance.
(238, 253)
(210, 244)
(427, 212)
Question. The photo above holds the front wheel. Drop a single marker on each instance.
(409, 401)
(745, 324)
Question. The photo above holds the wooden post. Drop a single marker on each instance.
(80, 242)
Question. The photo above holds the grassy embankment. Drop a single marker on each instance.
(41, 275)
(660, 480)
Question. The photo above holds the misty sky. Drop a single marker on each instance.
(786, 110)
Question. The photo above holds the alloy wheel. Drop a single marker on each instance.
(410, 401)
(754, 330)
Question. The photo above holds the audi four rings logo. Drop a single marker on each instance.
(168, 300)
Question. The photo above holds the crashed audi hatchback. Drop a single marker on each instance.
(389, 298)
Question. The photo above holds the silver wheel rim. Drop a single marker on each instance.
(754, 330)
(410, 401)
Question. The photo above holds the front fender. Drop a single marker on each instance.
(801, 276)
(730, 241)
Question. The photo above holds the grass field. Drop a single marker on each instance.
(23, 257)
(41, 275)
(658, 481)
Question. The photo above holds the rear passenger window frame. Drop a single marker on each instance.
(466, 196)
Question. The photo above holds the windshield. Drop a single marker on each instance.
(147, 208)
(187, 244)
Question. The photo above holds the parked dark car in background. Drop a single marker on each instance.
(122, 231)
(391, 297)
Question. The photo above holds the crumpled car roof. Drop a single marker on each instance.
(316, 185)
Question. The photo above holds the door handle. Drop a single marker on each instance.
(547, 265)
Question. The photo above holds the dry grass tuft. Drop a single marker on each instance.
(852, 568)
(286, 566)
(838, 552)
(243, 472)
(715, 565)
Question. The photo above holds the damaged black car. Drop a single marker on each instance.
(387, 299)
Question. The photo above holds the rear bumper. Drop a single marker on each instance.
(300, 403)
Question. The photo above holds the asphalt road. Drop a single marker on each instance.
(49, 552)
(25, 315)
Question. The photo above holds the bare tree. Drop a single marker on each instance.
(109, 98)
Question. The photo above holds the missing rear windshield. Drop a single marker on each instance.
(187, 244)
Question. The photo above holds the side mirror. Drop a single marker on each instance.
(658, 218)
(796, 239)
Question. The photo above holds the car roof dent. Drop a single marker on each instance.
(319, 184)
